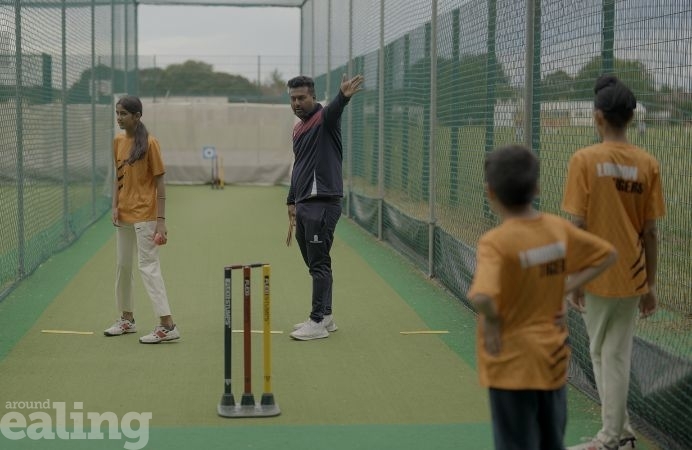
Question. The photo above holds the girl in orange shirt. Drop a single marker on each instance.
(139, 213)
(613, 190)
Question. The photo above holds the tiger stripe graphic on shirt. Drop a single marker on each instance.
(616, 188)
(522, 265)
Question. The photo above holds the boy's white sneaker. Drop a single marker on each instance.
(120, 327)
(591, 444)
(327, 321)
(627, 442)
(310, 330)
(160, 334)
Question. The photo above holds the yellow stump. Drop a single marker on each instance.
(266, 275)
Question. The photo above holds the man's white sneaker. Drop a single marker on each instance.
(160, 334)
(327, 321)
(310, 330)
(121, 326)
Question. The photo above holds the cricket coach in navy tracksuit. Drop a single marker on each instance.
(314, 198)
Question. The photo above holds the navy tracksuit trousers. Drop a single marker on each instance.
(316, 220)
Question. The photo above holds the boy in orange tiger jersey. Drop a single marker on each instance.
(525, 266)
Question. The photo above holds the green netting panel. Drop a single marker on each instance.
(465, 122)
(320, 64)
(331, 56)
(339, 25)
(406, 132)
(306, 38)
(359, 168)
(124, 51)
(56, 128)
(482, 101)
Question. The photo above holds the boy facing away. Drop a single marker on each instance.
(525, 267)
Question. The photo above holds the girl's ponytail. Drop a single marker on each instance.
(133, 105)
(139, 149)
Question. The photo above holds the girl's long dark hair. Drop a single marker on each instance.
(133, 105)
(615, 99)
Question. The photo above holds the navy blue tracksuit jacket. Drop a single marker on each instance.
(318, 154)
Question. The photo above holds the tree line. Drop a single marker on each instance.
(463, 85)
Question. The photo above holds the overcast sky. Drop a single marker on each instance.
(230, 39)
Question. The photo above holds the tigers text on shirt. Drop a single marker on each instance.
(625, 177)
(616, 187)
(522, 265)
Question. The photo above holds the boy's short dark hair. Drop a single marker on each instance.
(512, 173)
(301, 81)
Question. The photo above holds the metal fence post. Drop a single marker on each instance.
(608, 35)
(431, 145)
(349, 112)
(380, 131)
(93, 108)
(491, 77)
(532, 105)
(65, 100)
(312, 40)
(21, 270)
(114, 89)
(491, 73)
(454, 129)
(536, 81)
(135, 69)
(406, 113)
(328, 84)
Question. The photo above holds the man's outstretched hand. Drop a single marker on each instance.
(350, 87)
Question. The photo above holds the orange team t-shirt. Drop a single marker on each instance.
(137, 182)
(616, 188)
(522, 265)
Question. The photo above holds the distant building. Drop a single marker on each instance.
(509, 113)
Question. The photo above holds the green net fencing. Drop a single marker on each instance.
(60, 65)
(449, 80)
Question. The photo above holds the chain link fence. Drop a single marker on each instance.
(60, 65)
(449, 80)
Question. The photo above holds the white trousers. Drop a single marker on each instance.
(139, 238)
(610, 324)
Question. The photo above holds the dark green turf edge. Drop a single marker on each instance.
(20, 309)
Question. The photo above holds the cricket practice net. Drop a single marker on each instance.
(447, 81)
(60, 64)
